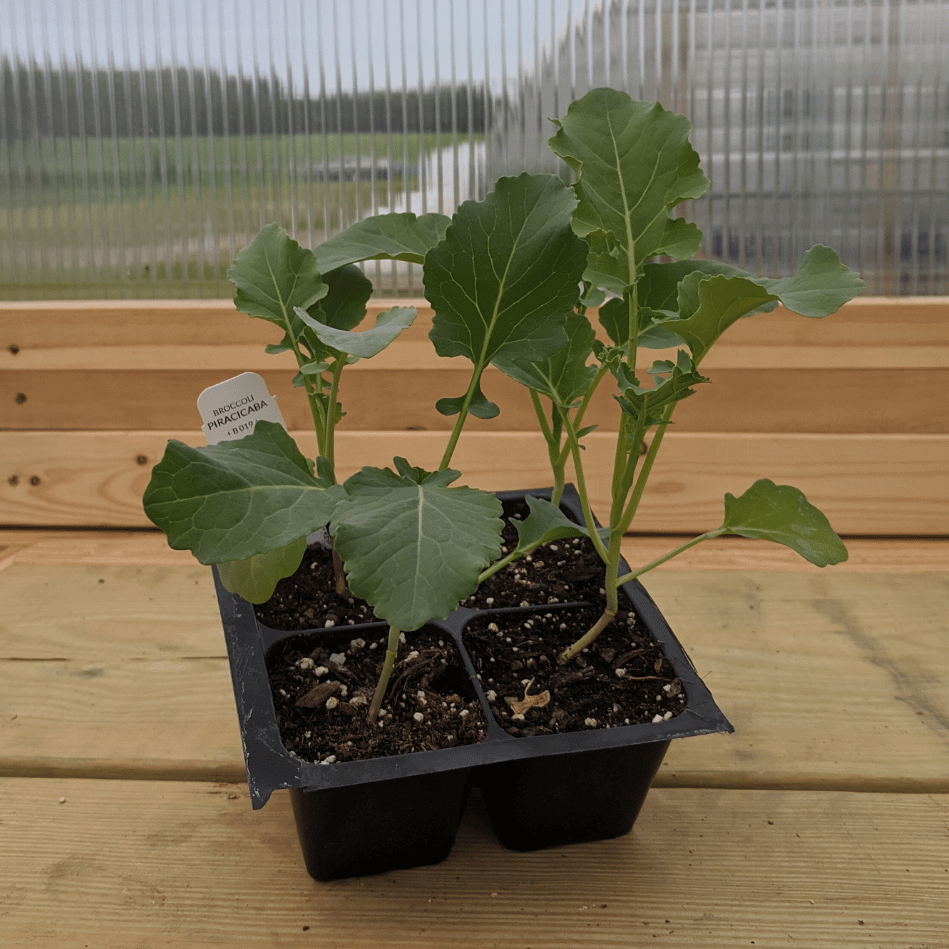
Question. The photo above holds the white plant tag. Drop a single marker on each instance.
(230, 408)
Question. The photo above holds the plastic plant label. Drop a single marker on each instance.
(230, 408)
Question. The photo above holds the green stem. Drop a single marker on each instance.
(460, 421)
(633, 574)
(554, 452)
(329, 448)
(606, 617)
(582, 490)
(630, 512)
(392, 649)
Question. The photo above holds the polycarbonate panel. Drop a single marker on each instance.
(143, 142)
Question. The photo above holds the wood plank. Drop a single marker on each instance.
(811, 399)
(149, 548)
(886, 484)
(828, 677)
(155, 335)
(121, 864)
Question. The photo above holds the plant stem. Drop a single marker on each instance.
(606, 617)
(392, 649)
(633, 574)
(553, 447)
(582, 490)
(329, 448)
(460, 421)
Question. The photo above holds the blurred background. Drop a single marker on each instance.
(144, 142)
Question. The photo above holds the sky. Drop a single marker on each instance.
(341, 43)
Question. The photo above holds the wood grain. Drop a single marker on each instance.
(132, 863)
(866, 484)
(787, 399)
(136, 667)
(150, 548)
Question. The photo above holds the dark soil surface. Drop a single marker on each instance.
(322, 700)
(624, 678)
(322, 686)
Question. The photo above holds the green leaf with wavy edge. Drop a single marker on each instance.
(634, 164)
(369, 342)
(397, 236)
(563, 377)
(343, 307)
(780, 513)
(239, 498)
(507, 273)
(413, 545)
(257, 577)
(709, 304)
(274, 274)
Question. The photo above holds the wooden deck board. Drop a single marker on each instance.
(119, 864)
(96, 479)
(791, 657)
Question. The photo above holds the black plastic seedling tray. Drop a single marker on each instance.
(360, 817)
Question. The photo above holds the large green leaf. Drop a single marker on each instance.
(506, 274)
(708, 305)
(634, 164)
(383, 237)
(781, 513)
(369, 342)
(414, 546)
(239, 498)
(257, 577)
(274, 274)
(565, 376)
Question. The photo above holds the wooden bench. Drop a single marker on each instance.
(823, 821)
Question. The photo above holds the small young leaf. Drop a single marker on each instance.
(414, 546)
(369, 342)
(674, 382)
(256, 578)
(480, 405)
(383, 237)
(544, 523)
(274, 274)
(239, 498)
(781, 513)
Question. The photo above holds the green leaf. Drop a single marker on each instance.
(821, 286)
(369, 342)
(721, 301)
(383, 237)
(413, 546)
(480, 405)
(256, 578)
(658, 288)
(544, 523)
(710, 304)
(674, 382)
(565, 376)
(781, 513)
(239, 498)
(506, 274)
(274, 274)
(634, 164)
(343, 307)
